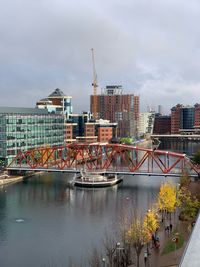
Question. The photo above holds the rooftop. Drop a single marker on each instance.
(58, 93)
(20, 110)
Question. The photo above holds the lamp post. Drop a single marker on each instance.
(148, 231)
(118, 253)
(177, 191)
(104, 262)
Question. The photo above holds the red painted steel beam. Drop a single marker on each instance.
(101, 157)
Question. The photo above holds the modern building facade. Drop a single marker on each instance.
(184, 119)
(119, 108)
(57, 102)
(104, 130)
(76, 123)
(187, 118)
(176, 119)
(27, 128)
(83, 128)
(146, 123)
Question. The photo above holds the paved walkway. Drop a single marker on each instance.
(171, 259)
(168, 260)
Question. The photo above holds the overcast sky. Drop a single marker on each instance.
(150, 47)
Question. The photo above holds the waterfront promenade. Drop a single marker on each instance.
(188, 254)
(6, 179)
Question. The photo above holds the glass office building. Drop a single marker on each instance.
(187, 118)
(26, 128)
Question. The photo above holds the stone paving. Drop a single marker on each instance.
(171, 259)
(168, 260)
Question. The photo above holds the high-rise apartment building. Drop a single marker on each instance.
(117, 107)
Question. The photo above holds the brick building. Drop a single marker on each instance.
(197, 116)
(184, 119)
(100, 131)
(117, 107)
(162, 124)
(176, 119)
(83, 128)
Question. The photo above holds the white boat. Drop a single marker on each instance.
(96, 179)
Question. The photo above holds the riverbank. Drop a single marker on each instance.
(5, 179)
(144, 143)
(10, 180)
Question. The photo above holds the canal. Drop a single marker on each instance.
(46, 222)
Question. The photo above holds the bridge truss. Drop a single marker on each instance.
(113, 158)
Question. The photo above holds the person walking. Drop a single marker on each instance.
(170, 226)
(145, 257)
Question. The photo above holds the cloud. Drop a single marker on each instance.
(151, 47)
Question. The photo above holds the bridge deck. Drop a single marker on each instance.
(177, 174)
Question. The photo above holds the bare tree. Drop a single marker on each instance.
(95, 259)
(109, 243)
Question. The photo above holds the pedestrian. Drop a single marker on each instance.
(157, 244)
(167, 229)
(170, 226)
(153, 239)
(145, 257)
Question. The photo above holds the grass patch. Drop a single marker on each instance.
(170, 245)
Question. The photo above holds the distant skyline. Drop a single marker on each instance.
(150, 47)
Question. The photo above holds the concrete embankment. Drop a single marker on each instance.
(144, 143)
(9, 180)
(5, 179)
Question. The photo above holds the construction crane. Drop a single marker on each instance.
(94, 84)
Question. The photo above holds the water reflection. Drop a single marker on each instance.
(3, 232)
(61, 221)
(184, 146)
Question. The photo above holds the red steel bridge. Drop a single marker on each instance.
(111, 158)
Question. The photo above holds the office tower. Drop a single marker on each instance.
(28, 128)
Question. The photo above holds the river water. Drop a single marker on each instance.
(45, 222)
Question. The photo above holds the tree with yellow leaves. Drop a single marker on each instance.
(138, 235)
(188, 203)
(167, 198)
(151, 221)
